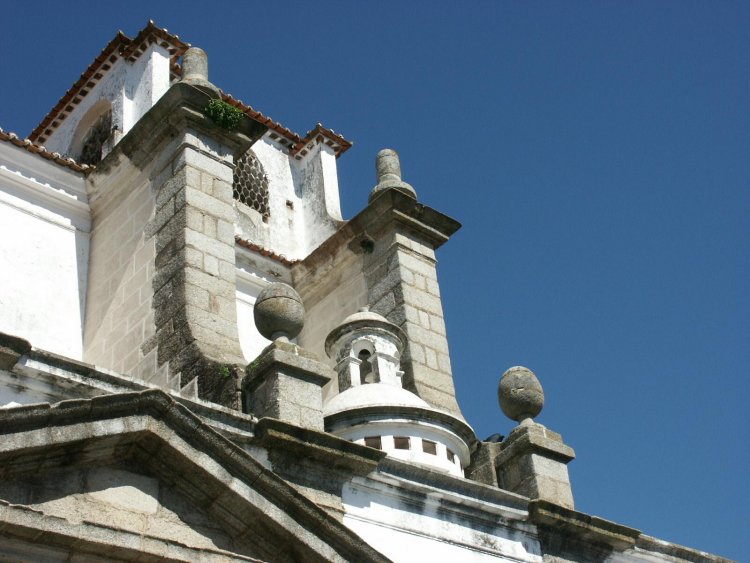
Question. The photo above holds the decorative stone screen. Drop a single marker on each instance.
(251, 183)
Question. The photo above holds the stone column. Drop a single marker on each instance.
(193, 229)
(402, 285)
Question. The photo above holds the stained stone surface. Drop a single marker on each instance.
(520, 394)
(279, 312)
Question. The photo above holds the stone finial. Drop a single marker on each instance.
(279, 312)
(388, 171)
(520, 394)
(195, 69)
(194, 65)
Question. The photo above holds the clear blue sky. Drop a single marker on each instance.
(598, 155)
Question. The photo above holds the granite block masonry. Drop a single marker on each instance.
(286, 381)
(186, 163)
(401, 276)
(533, 460)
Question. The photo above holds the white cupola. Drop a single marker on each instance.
(373, 409)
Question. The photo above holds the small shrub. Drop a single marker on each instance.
(223, 114)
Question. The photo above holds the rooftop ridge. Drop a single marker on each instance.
(120, 46)
(263, 251)
(35, 148)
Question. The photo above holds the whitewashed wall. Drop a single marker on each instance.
(131, 89)
(410, 523)
(44, 251)
(303, 201)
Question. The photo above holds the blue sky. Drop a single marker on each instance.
(598, 156)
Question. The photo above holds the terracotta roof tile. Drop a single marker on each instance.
(264, 251)
(121, 46)
(33, 148)
(324, 135)
(288, 134)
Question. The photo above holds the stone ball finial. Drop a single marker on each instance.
(520, 394)
(195, 65)
(279, 312)
(388, 172)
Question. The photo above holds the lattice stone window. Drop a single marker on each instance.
(251, 183)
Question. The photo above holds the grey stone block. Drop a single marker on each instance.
(285, 382)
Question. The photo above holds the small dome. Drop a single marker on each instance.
(372, 395)
(364, 314)
(367, 320)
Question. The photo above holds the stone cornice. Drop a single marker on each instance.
(170, 437)
(391, 209)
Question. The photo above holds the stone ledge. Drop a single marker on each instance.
(322, 447)
(93, 538)
(655, 545)
(74, 377)
(289, 359)
(586, 528)
(153, 420)
(534, 439)
(11, 350)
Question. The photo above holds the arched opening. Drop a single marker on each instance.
(365, 367)
(92, 139)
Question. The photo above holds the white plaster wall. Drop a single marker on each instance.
(146, 80)
(425, 527)
(304, 207)
(18, 390)
(416, 431)
(254, 273)
(44, 247)
(284, 231)
(131, 88)
(109, 88)
(318, 182)
(249, 285)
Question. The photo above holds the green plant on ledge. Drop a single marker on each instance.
(223, 114)
(224, 371)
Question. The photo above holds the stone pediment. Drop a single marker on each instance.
(119, 475)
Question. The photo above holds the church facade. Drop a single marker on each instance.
(201, 360)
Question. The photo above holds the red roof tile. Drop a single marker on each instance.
(264, 251)
(121, 46)
(33, 148)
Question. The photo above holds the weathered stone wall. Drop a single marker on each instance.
(335, 289)
(195, 282)
(402, 286)
(120, 316)
(123, 498)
